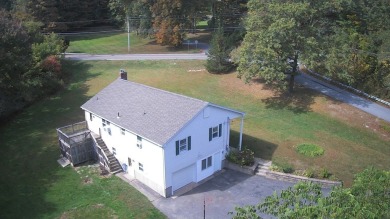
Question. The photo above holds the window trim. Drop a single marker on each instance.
(139, 142)
(183, 145)
(182, 148)
(207, 163)
(114, 151)
(215, 132)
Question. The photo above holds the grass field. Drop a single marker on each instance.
(116, 43)
(33, 185)
(274, 124)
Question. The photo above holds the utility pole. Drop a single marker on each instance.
(128, 32)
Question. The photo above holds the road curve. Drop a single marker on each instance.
(180, 56)
(344, 96)
(304, 79)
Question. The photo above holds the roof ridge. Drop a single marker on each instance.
(165, 91)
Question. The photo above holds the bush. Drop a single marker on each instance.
(309, 173)
(246, 157)
(310, 150)
(325, 173)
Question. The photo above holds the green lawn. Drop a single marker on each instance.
(33, 185)
(116, 43)
(272, 127)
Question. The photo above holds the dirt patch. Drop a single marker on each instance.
(90, 211)
(350, 115)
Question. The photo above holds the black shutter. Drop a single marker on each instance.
(189, 142)
(220, 130)
(210, 134)
(177, 148)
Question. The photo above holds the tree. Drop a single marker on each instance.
(229, 12)
(172, 18)
(218, 60)
(369, 197)
(15, 52)
(356, 53)
(28, 68)
(278, 34)
(339, 38)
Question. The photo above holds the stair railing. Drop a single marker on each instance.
(101, 152)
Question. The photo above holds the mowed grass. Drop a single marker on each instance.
(33, 185)
(117, 43)
(272, 126)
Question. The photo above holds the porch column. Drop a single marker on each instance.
(241, 128)
(227, 134)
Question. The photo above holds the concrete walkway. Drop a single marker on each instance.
(344, 96)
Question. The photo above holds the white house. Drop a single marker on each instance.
(163, 139)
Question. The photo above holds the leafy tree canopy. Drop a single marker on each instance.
(336, 37)
(369, 197)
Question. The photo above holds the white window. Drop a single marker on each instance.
(140, 166)
(113, 151)
(129, 161)
(183, 145)
(207, 162)
(139, 142)
(105, 124)
(215, 132)
(123, 131)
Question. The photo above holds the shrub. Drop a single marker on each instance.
(309, 173)
(310, 150)
(325, 173)
(246, 157)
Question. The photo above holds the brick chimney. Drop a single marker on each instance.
(123, 74)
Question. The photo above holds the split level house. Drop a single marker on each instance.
(163, 139)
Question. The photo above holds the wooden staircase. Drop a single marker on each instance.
(113, 163)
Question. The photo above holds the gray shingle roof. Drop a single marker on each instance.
(149, 112)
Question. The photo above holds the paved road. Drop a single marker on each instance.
(308, 81)
(181, 56)
(345, 96)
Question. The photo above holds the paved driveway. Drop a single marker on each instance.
(222, 193)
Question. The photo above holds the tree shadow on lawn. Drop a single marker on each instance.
(29, 148)
(299, 101)
(262, 148)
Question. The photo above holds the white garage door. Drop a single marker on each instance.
(183, 177)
